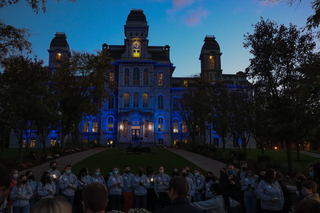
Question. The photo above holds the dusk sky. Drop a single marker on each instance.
(182, 24)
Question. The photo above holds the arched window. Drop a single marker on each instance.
(136, 76)
(111, 102)
(53, 141)
(160, 102)
(136, 100)
(160, 124)
(160, 79)
(145, 100)
(184, 127)
(126, 100)
(32, 142)
(211, 62)
(126, 76)
(58, 56)
(95, 125)
(145, 77)
(175, 125)
(86, 125)
(110, 124)
(175, 103)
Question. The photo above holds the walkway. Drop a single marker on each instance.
(69, 159)
(204, 163)
(315, 155)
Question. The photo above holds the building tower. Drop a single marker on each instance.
(210, 58)
(59, 49)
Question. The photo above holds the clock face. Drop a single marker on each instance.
(136, 45)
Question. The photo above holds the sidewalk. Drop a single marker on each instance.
(311, 154)
(204, 163)
(69, 159)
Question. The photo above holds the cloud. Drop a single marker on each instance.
(179, 4)
(194, 17)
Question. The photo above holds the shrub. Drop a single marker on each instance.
(205, 152)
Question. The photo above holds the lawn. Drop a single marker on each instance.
(118, 157)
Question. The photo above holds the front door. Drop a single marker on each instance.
(135, 134)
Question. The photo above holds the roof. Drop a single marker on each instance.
(60, 40)
(210, 45)
(136, 15)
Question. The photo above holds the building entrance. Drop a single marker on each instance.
(135, 135)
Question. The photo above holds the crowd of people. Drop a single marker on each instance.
(181, 191)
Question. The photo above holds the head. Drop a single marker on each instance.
(115, 170)
(5, 184)
(140, 171)
(67, 169)
(178, 187)
(95, 197)
(187, 169)
(53, 165)
(22, 180)
(45, 178)
(175, 172)
(161, 170)
(250, 171)
(229, 169)
(307, 206)
(279, 177)
(30, 175)
(149, 170)
(243, 165)
(311, 171)
(222, 171)
(262, 173)
(83, 172)
(197, 172)
(14, 174)
(52, 205)
(270, 176)
(97, 172)
(127, 169)
(110, 171)
(308, 187)
(209, 176)
(184, 173)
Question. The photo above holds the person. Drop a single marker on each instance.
(151, 196)
(219, 201)
(199, 182)
(140, 183)
(15, 175)
(314, 172)
(95, 198)
(5, 187)
(270, 193)
(115, 184)
(175, 172)
(34, 187)
(299, 178)
(46, 186)
(160, 184)
(127, 190)
(190, 183)
(68, 183)
(97, 177)
(209, 181)
(188, 173)
(54, 175)
(177, 191)
(52, 205)
(248, 187)
(243, 167)
(261, 175)
(222, 172)
(83, 179)
(21, 194)
(307, 206)
(286, 194)
(110, 172)
(309, 190)
(230, 183)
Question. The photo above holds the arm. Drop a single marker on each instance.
(210, 204)
(14, 193)
(134, 183)
(146, 183)
(110, 182)
(75, 182)
(42, 191)
(261, 193)
(155, 185)
(244, 185)
(29, 193)
(201, 185)
(62, 184)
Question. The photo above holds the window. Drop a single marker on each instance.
(160, 102)
(160, 124)
(136, 76)
(24, 142)
(184, 127)
(53, 141)
(126, 76)
(94, 141)
(111, 76)
(185, 83)
(126, 100)
(111, 102)
(95, 125)
(125, 129)
(175, 125)
(145, 77)
(216, 142)
(145, 100)
(146, 129)
(136, 53)
(32, 142)
(211, 62)
(185, 141)
(110, 141)
(160, 79)
(110, 124)
(136, 100)
(175, 141)
(160, 141)
(86, 125)
(58, 56)
(175, 104)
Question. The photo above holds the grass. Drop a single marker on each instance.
(118, 157)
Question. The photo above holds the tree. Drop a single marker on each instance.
(275, 70)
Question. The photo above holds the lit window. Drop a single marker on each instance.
(53, 141)
(126, 100)
(136, 53)
(175, 125)
(160, 124)
(145, 77)
(184, 127)
(58, 56)
(160, 102)
(86, 125)
(160, 79)
(211, 62)
(175, 141)
(175, 104)
(185, 83)
(145, 100)
(184, 141)
(111, 76)
(126, 76)
(135, 100)
(136, 76)
(32, 142)
(94, 141)
(110, 124)
(111, 102)
(95, 125)
(24, 143)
